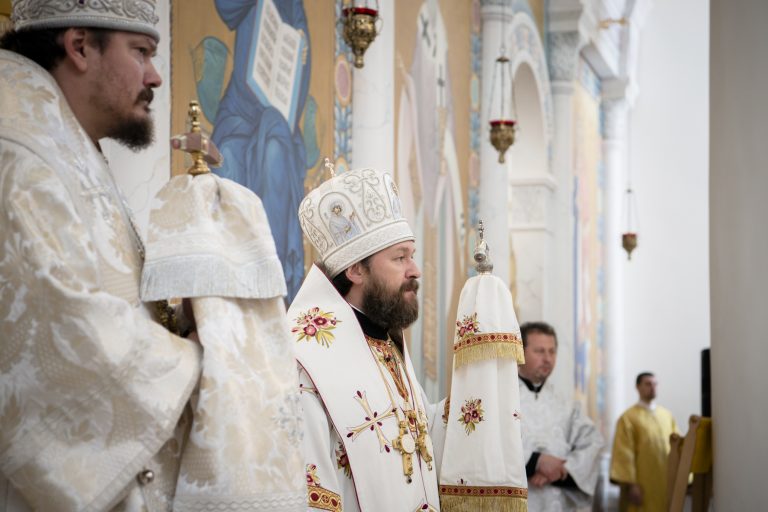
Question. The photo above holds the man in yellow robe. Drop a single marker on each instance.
(640, 450)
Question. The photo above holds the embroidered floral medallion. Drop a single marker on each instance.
(471, 414)
(317, 325)
(312, 478)
(467, 326)
(342, 461)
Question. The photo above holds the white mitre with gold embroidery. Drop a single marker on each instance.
(209, 241)
(483, 467)
(125, 15)
(352, 216)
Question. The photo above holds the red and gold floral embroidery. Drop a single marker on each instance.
(316, 324)
(467, 326)
(312, 478)
(386, 354)
(318, 497)
(342, 461)
(446, 409)
(461, 490)
(471, 414)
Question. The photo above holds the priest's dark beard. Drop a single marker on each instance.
(134, 133)
(390, 309)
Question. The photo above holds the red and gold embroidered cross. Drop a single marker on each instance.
(373, 421)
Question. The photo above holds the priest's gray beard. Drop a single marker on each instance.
(389, 308)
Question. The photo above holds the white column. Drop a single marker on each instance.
(615, 161)
(373, 99)
(564, 52)
(493, 175)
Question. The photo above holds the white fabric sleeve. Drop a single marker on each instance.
(90, 387)
(319, 447)
(583, 461)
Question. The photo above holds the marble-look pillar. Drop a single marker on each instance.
(615, 111)
(373, 99)
(564, 49)
(493, 175)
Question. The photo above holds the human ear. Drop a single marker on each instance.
(75, 48)
(355, 273)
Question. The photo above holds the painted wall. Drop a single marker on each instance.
(141, 175)
(739, 250)
(667, 292)
(588, 175)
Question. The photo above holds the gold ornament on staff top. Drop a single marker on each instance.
(360, 29)
(482, 256)
(201, 148)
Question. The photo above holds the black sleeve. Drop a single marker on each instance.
(530, 467)
(567, 483)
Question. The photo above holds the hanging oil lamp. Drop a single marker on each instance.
(503, 112)
(360, 28)
(629, 237)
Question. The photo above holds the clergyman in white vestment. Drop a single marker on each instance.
(561, 445)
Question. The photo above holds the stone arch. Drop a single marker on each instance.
(529, 176)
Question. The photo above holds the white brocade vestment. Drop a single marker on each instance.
(555, 425)
(91, 388)
(347, 397)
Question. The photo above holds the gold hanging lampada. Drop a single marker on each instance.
(629, 237)
(199, 145)
(360, 28)
(503, 122)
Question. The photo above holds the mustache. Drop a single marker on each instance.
(410, 286)
(146, 95)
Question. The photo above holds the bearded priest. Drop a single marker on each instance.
(372, 439)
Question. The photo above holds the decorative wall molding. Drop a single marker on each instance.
(529, 205)
(525, 46)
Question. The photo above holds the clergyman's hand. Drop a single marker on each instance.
(635, 494)
(538, 480)
(551, 467)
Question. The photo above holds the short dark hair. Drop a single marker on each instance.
(44, 46)
(341, 282)
(536, 327)
(641, 376)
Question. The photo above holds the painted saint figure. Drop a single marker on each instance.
(257, 122)
(342, 228)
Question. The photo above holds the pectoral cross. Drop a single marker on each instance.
(406, 446)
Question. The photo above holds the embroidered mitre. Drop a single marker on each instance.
(124, 15)
(483, 467)
(352, 216)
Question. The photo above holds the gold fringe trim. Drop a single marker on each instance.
(460, 498)
(481, 347)
(323, 499)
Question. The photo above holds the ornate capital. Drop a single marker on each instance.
(563, 54)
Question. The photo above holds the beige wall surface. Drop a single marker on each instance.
(739, 250)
